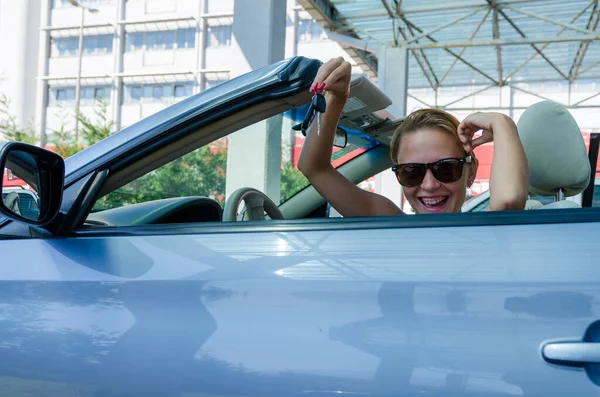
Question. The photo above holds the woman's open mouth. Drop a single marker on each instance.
(434, 204)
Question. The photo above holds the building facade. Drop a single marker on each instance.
(137, 56)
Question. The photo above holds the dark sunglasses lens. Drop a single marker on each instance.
(447, 171)
(410, 174)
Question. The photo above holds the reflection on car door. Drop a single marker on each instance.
(453, 311)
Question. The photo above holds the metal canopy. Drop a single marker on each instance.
(470, 42)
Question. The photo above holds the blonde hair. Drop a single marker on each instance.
(428, 118)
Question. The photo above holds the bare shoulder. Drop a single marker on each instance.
(383, 205)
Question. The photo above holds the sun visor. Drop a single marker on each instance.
(365, 111)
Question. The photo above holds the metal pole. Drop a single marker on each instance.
(511, 106)
(78, 84)
(42, 96)
(80, 57)
(119, 50)
(203, 44)
(510, 41)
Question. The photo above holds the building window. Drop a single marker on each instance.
(65, 3)
(65, 46)
(101, 93)
(186, 38)
(309, 30)
(161, 40)
(134, 41)
(180, 91)
(136, 93)
(101, 44)
(219, 36)
(92, 45)
(156, 93)
(61, 95)
(65, 94)
(88, 95)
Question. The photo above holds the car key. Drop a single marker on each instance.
(318, 104)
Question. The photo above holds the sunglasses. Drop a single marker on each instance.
(318, 104)
(444, 170)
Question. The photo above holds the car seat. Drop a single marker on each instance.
(556, 153)
(12, 202)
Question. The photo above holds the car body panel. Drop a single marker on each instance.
(295, 313)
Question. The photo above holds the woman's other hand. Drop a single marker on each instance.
(485, 122)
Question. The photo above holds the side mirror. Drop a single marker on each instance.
(32, 183)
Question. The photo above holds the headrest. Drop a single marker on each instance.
(555, 150)
(533, 205)
(11, 201)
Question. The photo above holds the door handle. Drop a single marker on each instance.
(572, 354)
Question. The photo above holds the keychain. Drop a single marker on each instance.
(319, 124)
(318, 105)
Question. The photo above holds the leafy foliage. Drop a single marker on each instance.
(9, 129)
(292, 181)
(66, 143)
(199, 173)
(63, 142)
(95, 132)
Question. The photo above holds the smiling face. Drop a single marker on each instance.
(426, 145)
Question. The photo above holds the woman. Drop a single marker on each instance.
(432, 154)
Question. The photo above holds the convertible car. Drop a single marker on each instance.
(112, 289)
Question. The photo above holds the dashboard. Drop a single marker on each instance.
(166, 211)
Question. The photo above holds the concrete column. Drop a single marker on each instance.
(254, 153)
(19, 43)
(392, 75)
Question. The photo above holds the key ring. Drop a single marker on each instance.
(318, 104)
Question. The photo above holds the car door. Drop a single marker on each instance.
(460, 306)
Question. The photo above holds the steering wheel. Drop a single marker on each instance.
(256, 202)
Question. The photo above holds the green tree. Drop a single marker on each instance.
(198, 173)
(102, 128)
(63, 140)
(9, 128)
(292, 181)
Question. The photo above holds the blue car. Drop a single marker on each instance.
(117, 288)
